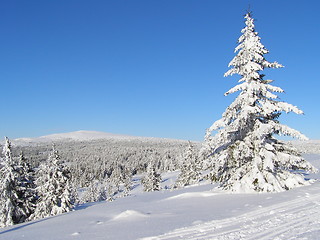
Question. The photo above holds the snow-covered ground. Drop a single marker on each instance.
(197, 212)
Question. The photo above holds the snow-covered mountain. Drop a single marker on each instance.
(87, 136)
(70, 136)
(81, 136)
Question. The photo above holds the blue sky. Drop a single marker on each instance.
(146, 67)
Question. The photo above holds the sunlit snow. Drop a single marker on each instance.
(196, 212)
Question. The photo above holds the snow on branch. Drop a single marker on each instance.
(287, 131)
(236, 88)
(273, 88)
(287, 107)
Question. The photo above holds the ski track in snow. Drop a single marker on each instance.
(295, 219)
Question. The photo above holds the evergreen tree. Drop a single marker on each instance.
(56, 195)
(127, 184)
(190, 168)
(151, 181)
(111, 190)
(8, 195)
(26, 188)
(116, 177)
(95, 192)
(241, 147)
(119, 181)
(11, 211)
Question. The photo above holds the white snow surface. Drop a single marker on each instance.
(196, 212)
(81, 135)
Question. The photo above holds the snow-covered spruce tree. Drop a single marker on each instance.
(9, 210)
(26, 188)
(16, 190)
(94, 193)
(151, 181)
(111, 190)
(190, 168)
(243, 153)
(55, 193)
(127, 184)
(119, 180)
(116, 177)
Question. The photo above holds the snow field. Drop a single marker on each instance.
(195, 212)
(295, 219)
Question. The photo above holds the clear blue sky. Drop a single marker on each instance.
(146, 67)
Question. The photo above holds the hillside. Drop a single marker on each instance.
(310, 146)
(100, 150)
(81, 135)
(197, 212)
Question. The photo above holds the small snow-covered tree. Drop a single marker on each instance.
(111, 190)
(151, 181)
(16, 188)
(190, 168)
(119, 181)
(95, 192)
(26, 188)
(8, 191)
(127, 184)
(116, 177)
(56, 195)
(240, 147)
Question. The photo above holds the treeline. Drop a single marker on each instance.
(52, 179)
(28, 193)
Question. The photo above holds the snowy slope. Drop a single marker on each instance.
(196, 212)
(81, 136)
(310, 146)
(75, 136)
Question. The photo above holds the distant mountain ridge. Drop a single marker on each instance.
(310, 146)
(84, 135)
(81, 135)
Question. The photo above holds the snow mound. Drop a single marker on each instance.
(129, 215)
(192, 195)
